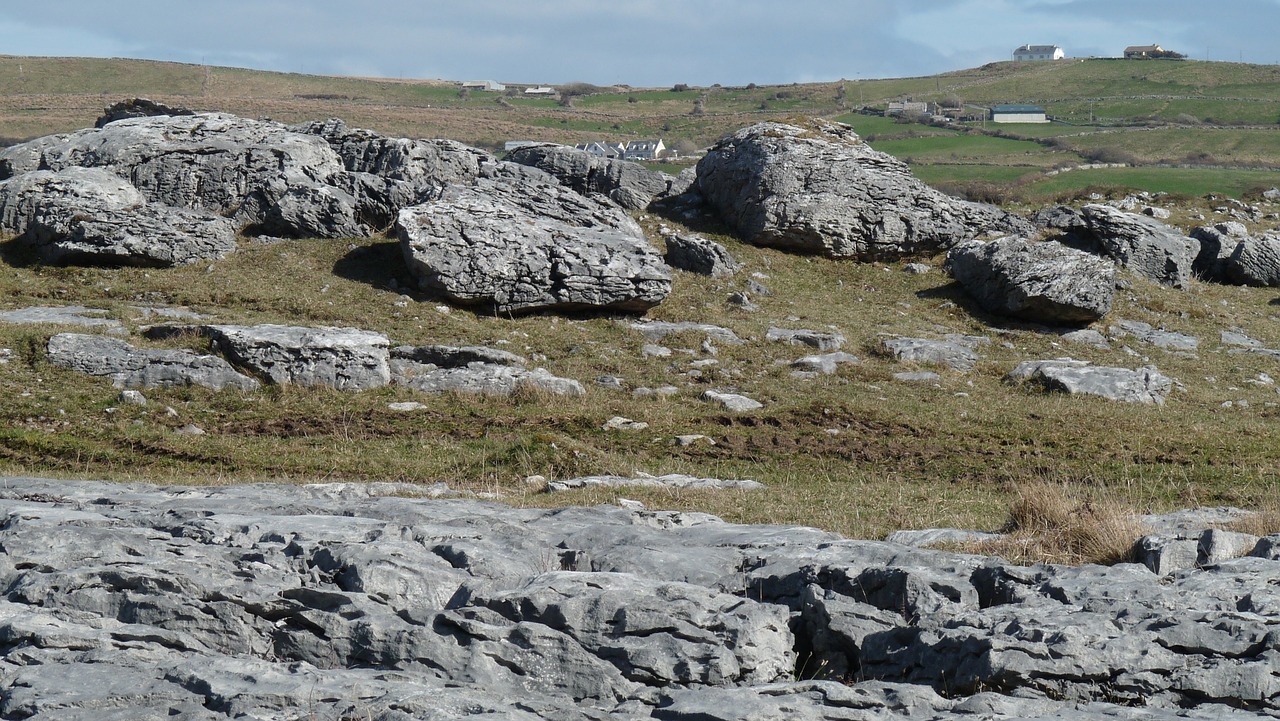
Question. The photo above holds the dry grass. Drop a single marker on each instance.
(1060, 523)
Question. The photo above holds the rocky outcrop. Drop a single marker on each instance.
(373, 601)
(954, 355)
(628, 184)
(519, 246)
(1143, 245)
(264, 177)
(340, 358)
(1042, 282)
(89, 215)
(1217, 243)
(137, 108)
(1255, 262)
(820, 189)
(130, 367)
(1139, 385)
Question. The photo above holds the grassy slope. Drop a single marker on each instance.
(855, 452)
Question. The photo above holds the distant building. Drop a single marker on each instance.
(898, 107)
(1143, 51)
(488, 85)
(603, 150)
(540, 91)
(1018, 114)
(1038, 52)
(644, 150)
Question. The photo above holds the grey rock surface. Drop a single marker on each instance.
(699, 255)
(628, 184)
(818, 340)
(350, 601)
(825, 363)
(657, 330)
(1042, 282)
(480, 378)
(820, 189)
(1255, 261)
(374, 601)
(63, 315)
(137, 108)
(1167, 340)
(130, 367)
(90, 215)
(956, 356)
(1138, 385)
(670, 480)
(1217, 243)
(340, 358)
(266, 178)
(732, 401)
(1143, 245)
(518, 246)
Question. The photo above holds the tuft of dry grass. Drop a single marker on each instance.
(1059, 523)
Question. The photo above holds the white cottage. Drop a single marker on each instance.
(1038, 52)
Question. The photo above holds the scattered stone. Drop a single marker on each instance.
(611, 382)
(132, 397)
(406, 407)
(652, 350)
(1157, 213)
(1167, 340)
(660, 391)
(826, 364)
(1042, 282)
(1140, 385)
(812, 338)
(190, 430)
(756, 288)
(699, 255)
(932, 352)
(1086, 336)
(481, 378)
(916, 269)
(732, 401)
(1241, 340)
(917, 377)
(618, 423)
(657, 330)
(743, 301)
(820, 189)
(520, 245)
(673, 480)
(690, 439)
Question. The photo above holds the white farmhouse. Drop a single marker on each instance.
(484, 85)
(645, 149)
(1038, 52)
(1018, 114)
(540, 90)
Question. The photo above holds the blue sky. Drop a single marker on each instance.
(636, 42)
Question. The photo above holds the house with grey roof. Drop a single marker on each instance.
(1018, 114)
(1038, 52)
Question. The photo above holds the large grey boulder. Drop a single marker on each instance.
(1255, 261)
(1217, 243)
(89, 215)
(130, 367)
(820, 189)
(1042, 282)
(1138, 385)
(519, 246)
(1143, 245)
(386, 174)
(341, 358)
(628, 184)
(264, 177)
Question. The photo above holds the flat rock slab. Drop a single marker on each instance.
(1139, 385)
(63, 315)
(732, 401)
(520, 246)
(341, 358)
(826, 363)
(956, 356)
(130, 367)
(481, 378)
(672, 480)
(656, 330)
(1167, 340)
(1042, 282)
(819, 340)
(819, 188)
(349, 600)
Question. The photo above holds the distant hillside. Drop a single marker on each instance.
(1148, 112)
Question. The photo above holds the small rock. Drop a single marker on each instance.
(406, 407)
(191, 430)
(732, 401)
(618, 423)
(133, 398)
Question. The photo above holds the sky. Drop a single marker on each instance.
(643, 43)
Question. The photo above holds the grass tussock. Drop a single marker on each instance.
(1057, 523)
